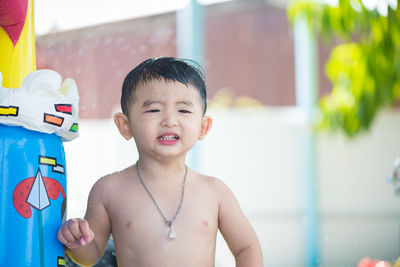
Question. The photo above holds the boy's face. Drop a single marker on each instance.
(165, 119)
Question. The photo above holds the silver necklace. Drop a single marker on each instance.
(171, 231)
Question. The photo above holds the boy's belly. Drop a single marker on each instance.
(151, 247)
(185, 257)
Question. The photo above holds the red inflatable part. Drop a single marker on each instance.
(12, 17)
(22, 190)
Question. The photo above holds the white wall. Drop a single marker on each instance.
(257, 152)
(360, 212)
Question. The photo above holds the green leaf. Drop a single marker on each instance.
(364, 69)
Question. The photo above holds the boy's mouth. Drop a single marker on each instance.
(169, 137)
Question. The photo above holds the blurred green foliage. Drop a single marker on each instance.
(364, 68)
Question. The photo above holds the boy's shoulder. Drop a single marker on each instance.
(112, 180)
(213, 183)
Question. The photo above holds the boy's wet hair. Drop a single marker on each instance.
(185, 71)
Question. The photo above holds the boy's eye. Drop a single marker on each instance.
(152, 110)
(184, 111)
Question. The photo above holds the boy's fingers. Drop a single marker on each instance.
(87, 233)
(74, 233)
(61, 238)
(74, 229)
(66, 233)
(65, 237)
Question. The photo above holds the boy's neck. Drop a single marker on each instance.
(165, 170)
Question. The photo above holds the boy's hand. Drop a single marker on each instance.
(75, 233)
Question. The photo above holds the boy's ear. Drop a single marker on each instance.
(122, 122)
(205, 127)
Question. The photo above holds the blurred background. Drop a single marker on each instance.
(304, 97)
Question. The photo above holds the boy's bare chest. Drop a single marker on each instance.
(138, 225)
(134, 209)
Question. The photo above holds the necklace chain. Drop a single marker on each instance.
(166, 221)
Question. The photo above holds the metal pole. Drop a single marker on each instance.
(190, 45)
(305, 46)
(190, 32)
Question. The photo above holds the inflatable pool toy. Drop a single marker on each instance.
(37, 113)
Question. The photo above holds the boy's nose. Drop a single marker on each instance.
(169, 120)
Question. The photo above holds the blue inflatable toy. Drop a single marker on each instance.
(34, 120)
(33, 201)
(37, 113)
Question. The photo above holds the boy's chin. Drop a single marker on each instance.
(170, 153)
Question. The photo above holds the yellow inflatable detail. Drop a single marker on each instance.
(16, 62)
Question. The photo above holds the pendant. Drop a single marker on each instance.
(171, 233)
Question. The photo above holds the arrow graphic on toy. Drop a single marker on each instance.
(36, 192)
(38, 197)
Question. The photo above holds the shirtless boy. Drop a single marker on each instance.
(160, 212)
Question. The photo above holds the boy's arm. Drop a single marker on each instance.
(237, 231)
(86, 239)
